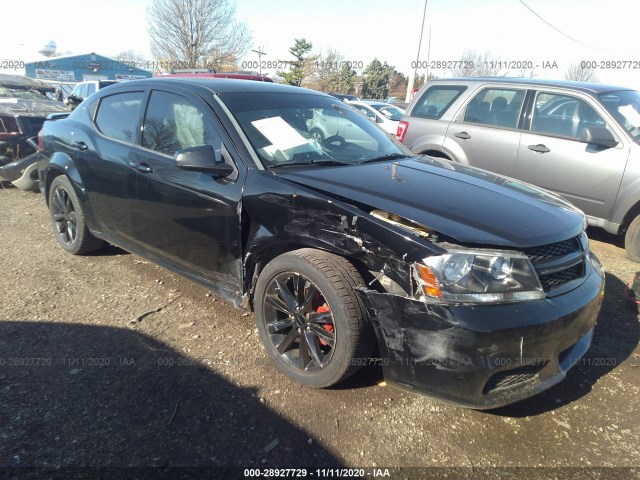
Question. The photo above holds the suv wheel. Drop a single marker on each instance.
(310, 319)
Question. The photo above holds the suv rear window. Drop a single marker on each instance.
(436, 100)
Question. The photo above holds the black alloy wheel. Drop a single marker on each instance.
(300, 324)
(310, 319)
(64, 216)
(68, 219)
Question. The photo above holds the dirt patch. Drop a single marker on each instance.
(82, 383)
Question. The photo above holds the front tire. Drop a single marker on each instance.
(68, 220)
(310, 320)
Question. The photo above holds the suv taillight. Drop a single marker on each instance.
(40, 146)
(402, 130)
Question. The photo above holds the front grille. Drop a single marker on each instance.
(557, 279)
(541, 257)
(553, 250)
(511, 378)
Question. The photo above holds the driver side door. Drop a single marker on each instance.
(187, 219)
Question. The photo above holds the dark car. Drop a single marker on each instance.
(472, 287)
(23, 109)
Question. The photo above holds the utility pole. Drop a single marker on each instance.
(412, 78)
(260, 54)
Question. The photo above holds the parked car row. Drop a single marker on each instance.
(344, 243)
(579, 140)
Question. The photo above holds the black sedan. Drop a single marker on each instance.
(471, 287)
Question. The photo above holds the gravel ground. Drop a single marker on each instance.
(82, 384)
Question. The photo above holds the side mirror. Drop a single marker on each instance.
(202, 159)
(598, 136)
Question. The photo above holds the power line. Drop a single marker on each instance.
(566, 35)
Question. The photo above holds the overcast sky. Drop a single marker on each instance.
(361, 30)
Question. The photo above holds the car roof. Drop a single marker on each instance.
(586, 87)
(219, 85)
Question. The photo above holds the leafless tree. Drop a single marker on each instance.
(580, 73)
(132, 58)
(196, 33)
(475, 64)
(320, 69)
(527, 72)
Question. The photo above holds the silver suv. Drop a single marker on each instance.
(580, 140)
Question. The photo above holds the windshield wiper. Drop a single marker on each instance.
(382, 158)
(309, 162)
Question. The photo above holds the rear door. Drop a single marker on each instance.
(552, 154)
(102, 157)
(486, 133)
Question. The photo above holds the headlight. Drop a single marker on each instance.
(479, 276)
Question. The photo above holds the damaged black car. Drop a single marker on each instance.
(464, 285)
(24, 105)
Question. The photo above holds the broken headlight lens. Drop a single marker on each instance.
(479, 276)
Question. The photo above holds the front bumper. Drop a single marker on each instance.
(485, 356)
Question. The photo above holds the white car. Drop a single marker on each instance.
(384, 114)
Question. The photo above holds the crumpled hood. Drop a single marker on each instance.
(470, 205)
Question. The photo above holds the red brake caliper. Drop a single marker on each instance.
(328, 327)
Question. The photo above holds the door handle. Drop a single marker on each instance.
(141, 167)
(81, 146)
(540, 148)
(462, 135)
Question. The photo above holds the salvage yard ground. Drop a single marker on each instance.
(107, 360)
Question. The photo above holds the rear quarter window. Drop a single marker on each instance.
(436, 100)
(119, 115)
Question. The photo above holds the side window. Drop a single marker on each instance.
(119, 115)
(76, 90)
(172, 123)
(563, 116)
(436, 100)
(496, 106)
(91, 88)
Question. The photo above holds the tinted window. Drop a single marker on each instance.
(91, 88)
(119, 115)
(496, 106)
(435, 101)
(172, 123)
(563, 115)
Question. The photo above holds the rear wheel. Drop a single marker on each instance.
(67, 219)
(632, 240)
(310, 319)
